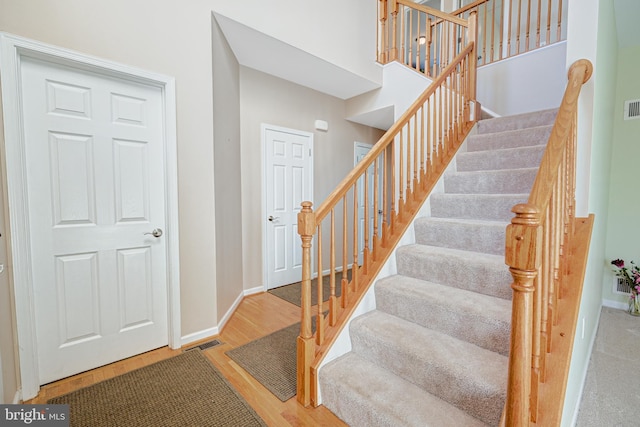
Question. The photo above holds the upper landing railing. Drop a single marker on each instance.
(426, 39)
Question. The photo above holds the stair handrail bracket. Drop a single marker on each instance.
(365, 216)
(538, 253)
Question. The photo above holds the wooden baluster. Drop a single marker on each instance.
(522, 254)
(429, 138)
(423, 146)
(549, 11)
(427, 48)
(414, 184)
(403, 39)
(385, 199)
(527, 27)
(356, 245)
(407, 157)
(473, 58)
(394, 213)
(518, 27)
(345, 250)
(394, 29)
(509, 35)
(557, 234)
(545, 326)
(538, 18)
(376, 208)
(305, 348)
(493, 28)
(502, 26)
(383, 37)
(484, 34)
(535, 349)
(559, 35)
(319, 279)
(333, 300)
(401, 182)
(410, 41)
(365, 225)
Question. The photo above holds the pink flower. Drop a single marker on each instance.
(618, 263)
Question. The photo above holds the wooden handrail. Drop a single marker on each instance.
(536, 253)
(368, 212)
(386, 139)
(450, 17)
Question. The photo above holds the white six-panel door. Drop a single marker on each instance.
(95, 178)
(288, 176)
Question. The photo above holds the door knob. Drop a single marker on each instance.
(157, 232)
(273, 218)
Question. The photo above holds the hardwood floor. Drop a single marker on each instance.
(257, 315)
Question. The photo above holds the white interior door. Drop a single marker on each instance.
(96, 197)
(361, 150)
(288, 182)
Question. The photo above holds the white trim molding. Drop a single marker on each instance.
(12, 50)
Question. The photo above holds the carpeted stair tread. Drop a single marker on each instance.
(434, 350)
(492, 207)
(505, 181)
(467, 234)
(474, 271)
(518, 121)
(480, 319)
(506, 158)
(510, 139)
(363, 394)
(469, 377)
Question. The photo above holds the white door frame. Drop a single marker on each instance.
(12, 50)
(263, 133)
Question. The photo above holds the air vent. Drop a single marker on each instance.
(632, 109)
(206, 345)
(621, 286)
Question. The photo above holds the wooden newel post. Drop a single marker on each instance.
(305, 344)
(523, 254)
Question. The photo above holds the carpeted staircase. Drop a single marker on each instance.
(434, 352)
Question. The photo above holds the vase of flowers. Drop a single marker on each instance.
(631, 275)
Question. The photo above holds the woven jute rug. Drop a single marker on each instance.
(271, 360)
(185, 390)
(293, 292)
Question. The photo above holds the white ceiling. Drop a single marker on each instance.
(259, 51)
(627, 15)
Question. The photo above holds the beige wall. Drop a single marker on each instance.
(267, 99)
(227, 163)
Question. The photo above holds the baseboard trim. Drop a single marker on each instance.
(592, 341)
(615, 304)
(17, 398)
(200, 335)
(208, 333)
(252, 291)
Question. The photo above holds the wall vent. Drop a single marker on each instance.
(632, 109)
(620, 286)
